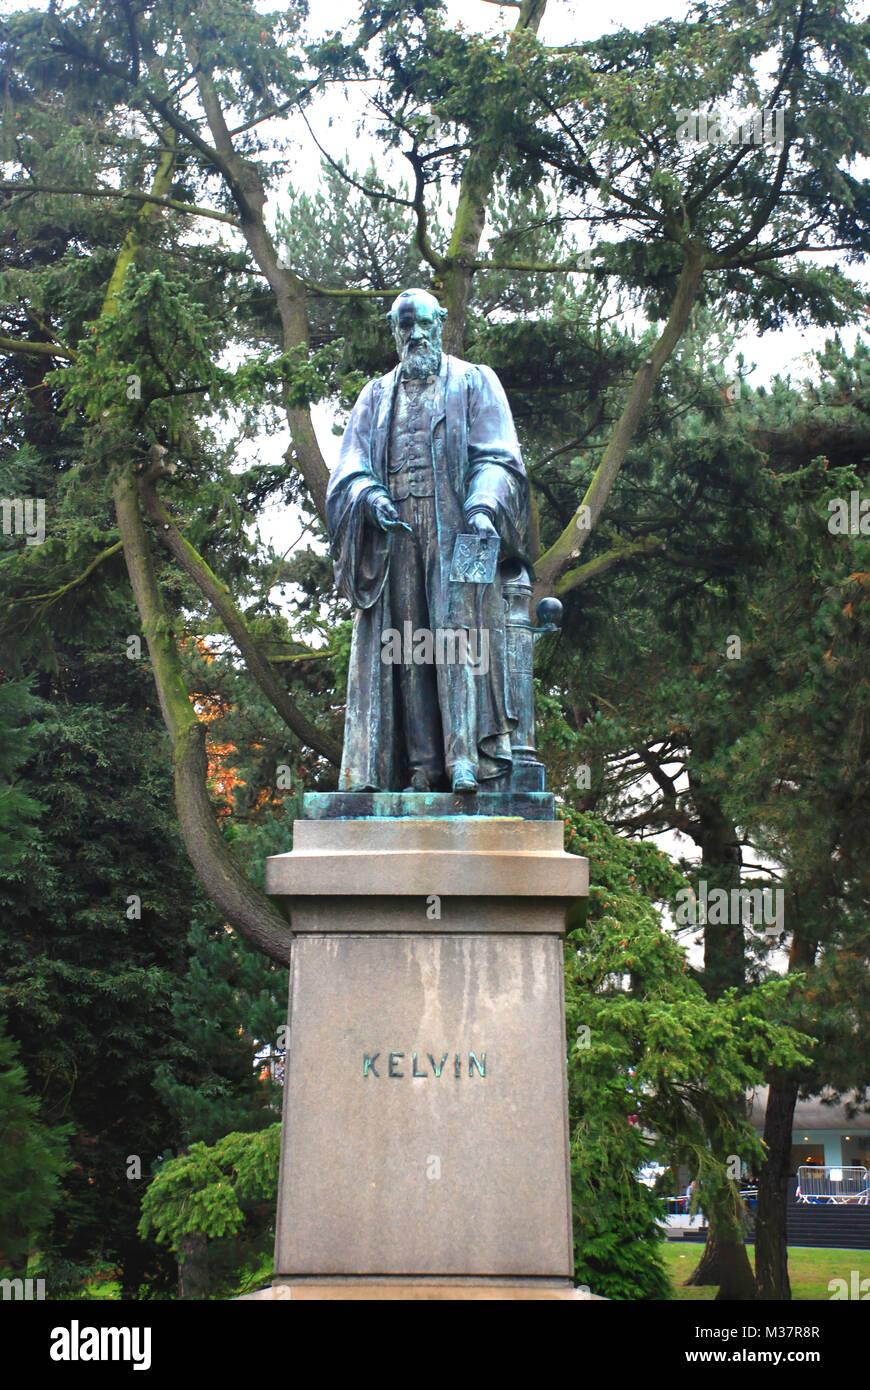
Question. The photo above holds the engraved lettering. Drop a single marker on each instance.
(476, 1064)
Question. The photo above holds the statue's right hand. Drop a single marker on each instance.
(385, 515)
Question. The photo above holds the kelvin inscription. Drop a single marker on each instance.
(394, 1059)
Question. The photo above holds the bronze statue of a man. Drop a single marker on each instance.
(430, 454)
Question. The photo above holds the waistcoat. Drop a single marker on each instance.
(411, 470)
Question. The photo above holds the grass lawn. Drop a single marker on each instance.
(809, 1270)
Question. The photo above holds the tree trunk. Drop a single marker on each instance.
(245, 183)
(221, 600)
(552, 568)
(455, 271)
(245, 907)
(771, 1238)
(804, 903)
(725, 1262)
(193, 1266)
(721, 865)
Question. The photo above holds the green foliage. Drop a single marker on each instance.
(131, 1035)
(86, 987)
(206, 1190)
(224, 1192)
(653, 1064)
(32, 1163)
(18, 810)
(229, 1002)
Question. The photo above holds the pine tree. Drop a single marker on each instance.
(32, 1163)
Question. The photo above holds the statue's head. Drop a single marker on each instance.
(416, 318)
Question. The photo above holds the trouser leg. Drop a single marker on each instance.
(455, 677)
(417, 684)
(457, 690)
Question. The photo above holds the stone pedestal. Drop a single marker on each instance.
(425, 1135)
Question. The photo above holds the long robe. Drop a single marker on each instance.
(476, 459)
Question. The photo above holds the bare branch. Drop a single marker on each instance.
(586, 166)
(765, 208)
(427, 250)
(532, 267)
(53, 594)
(130, 195)
(629, 550)
(575, 535)
(36, 349)
(719, 177)
(369, 192)
(315, 288)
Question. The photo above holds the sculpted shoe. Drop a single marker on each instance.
(419, 783)
(464, 779)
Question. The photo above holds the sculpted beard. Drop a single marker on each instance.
(424, 359)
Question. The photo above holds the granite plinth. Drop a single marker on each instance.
(425, 1137)
(418, 858)
(529, 805)
(425, 1126)
(366, 1290)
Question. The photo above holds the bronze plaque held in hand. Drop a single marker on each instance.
(475, 559)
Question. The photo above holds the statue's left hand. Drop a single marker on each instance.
(480, 524)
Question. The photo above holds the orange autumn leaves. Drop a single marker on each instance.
(222, 777)
(210, 707)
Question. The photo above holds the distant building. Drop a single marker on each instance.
(822, 1133)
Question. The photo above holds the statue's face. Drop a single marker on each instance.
(417, 331)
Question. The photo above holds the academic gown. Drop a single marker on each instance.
(476, 457)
